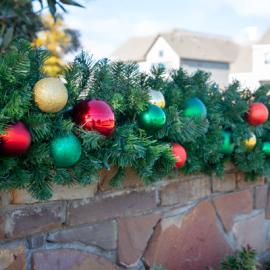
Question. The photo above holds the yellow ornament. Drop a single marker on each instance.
(250, 142)
(50, 95)
(156, 98)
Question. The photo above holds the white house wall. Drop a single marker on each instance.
(219, 71)
(247, 79)
(260, 68)
(170, 59)
(260, 72)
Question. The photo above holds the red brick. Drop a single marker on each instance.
(102, 235)
(230, 205)
(188, 242)
(69, 259)
(13, 258)
(182, 192)
(242, 183)
(90, 211)
(261, 193)
(134, 233)
(36, 218)
(227, 183)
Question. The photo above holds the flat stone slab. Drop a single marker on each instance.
(30, 219)
(22, 196)
(185, 190)
(103, 235)
(13, 258)
(134, 233)
(70, 259)
(188, 242)
(261, 193)
(100, 209)
(230, 205)
(225, 184)
(251, 231)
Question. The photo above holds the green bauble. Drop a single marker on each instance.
(266, 148)
(65, 150)
(194, 107)
(153, 118)
(227, 146)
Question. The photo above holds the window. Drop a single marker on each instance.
(265, 83)
(267, 58)
(161, 53)
(159, 65)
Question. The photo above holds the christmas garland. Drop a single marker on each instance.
(104, 114)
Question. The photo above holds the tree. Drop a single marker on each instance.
(58, 40)
(19, 20)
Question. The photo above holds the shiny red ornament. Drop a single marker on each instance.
(15, 141)
(180, 155)
(257, 114)
(94, 115)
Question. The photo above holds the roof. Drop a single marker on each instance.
(187, 44)
(134, 49)
(243, 62)
(265, 39)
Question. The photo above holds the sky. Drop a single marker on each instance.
(105, 24)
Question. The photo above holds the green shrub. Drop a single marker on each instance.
(244, 259)
(157, 268)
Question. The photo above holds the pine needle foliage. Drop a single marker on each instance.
(125, 88)
(157, 268)
(244, 259)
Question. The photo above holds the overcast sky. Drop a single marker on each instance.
(104, 24)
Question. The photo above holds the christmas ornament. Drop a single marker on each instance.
(257, 114)
(153, 118)
(266, 148)
(250, 142)
(65, 150)
(15, 141)
(180, 155)
(227, 145)
(94, 115)
(194, 107)
(156, 98)
(50, 95)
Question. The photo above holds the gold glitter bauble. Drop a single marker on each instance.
(50, 95)
(250, 142)
(156, 98)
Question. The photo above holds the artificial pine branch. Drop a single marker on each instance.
(125, 89)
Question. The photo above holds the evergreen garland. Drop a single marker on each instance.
(126, 90)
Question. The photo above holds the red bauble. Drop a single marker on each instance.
(257, 114)
(94, 115)
(15, 141)
(180, 155)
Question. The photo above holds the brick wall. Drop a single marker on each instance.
(185, 223)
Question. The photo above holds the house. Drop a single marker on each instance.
(252, 66)
(181, 48)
